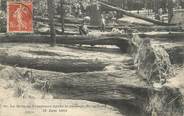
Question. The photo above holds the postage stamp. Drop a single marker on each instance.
(19, 17)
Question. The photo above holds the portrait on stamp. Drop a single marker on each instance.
(19, 17)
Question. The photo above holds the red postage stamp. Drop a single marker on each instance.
(19, 18)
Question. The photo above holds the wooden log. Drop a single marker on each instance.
(110, 27)
(136, 16)
(56, 19)
(118, 88)
(45, 31)
(111, 88)
(72, 20)
(68, 39)
(50, 63)
(93, 86)
(105, 39)
(159, 35)
(51, 6)
(140, 28)
(157, 28)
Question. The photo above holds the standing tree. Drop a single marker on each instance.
(3, 5)
(163, 4)
(62, 14)
(156, 6)
(51, 12)
(170, 10)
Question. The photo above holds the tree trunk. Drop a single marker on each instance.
(163, 35)
(62, 11)
(136, 16)
(93, 86)
(66, 19)
(118, 89)
(139, 28)
(69, 39)
(170, 10)
(50, 63)
(156, 7)
(51, 12)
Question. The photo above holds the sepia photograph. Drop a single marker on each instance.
(91, 57)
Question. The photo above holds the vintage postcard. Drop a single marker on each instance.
(91, 57)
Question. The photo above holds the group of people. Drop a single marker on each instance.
(78, 9)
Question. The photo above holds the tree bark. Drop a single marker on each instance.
(66, 19)
(156, 6)
(166, 35)
(93, 86)
(170, 10)
(62, 15)
(51, 12)
(118, 88)
(51, 63)
(139, 28)
(69, 39)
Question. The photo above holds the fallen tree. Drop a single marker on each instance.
(56, 19)
(114, 88)
(110, 27)
(68, 39)
(157, 28)
(93, 86)
(50, 63)
(79, 21)
(140, 28)
(166, 35)
(136, 16)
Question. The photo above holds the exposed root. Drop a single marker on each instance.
(153, 62)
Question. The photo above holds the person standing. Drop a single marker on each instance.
(102, 23)
(83, 29)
